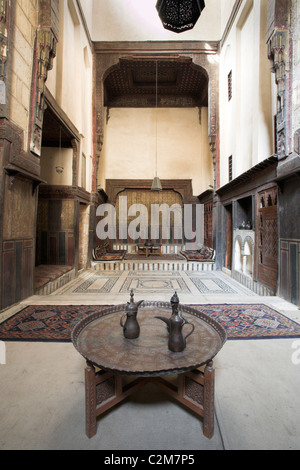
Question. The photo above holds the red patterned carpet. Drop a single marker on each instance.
(55, 323)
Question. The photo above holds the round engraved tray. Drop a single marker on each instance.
(99, 339)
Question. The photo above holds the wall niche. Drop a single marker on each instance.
(244, 216)
(244, 241)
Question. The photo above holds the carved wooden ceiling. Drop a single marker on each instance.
(132, 83)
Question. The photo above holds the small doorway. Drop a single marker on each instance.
(228, 256)
(267, 238)
(83, 243)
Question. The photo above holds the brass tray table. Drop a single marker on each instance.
(99, 339)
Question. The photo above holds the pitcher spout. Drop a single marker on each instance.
(166, 320)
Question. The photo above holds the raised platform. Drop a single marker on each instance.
(50, 278)
(165, 249)
(163, 263)
(143, 265)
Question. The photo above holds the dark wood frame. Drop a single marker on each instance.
(104, 390)
(183, 187)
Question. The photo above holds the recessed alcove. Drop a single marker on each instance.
(243, 253)
(244, 218)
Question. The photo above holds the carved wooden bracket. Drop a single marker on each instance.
(278, 53)
(14, 172)
(45, 51)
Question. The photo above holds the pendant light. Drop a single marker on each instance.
(179, 15)
(156, 184)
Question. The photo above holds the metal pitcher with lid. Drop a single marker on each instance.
(175, 324)
(131, 327)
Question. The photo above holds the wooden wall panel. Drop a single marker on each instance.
(290, 270)
(28, 268)
(148, 198)
(17, 271)
(56, 227)
(8, 274)
(267, 238)
(70, 250)
(208, 224)
(52, 249)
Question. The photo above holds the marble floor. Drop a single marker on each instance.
(257, 381)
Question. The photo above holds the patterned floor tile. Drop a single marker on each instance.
(142, 282)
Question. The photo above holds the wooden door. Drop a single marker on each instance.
(228, 260)
(267, 242)
(208, 224)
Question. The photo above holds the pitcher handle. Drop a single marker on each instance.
(189, 334)
(121, 320)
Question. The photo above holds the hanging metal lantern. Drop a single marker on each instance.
(179, 15)
(156, 184)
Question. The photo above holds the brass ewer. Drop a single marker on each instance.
(131, 327)
(175, 324)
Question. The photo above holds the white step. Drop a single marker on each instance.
(141, 265)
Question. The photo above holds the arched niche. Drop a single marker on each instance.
(238, 265)
(248, 258)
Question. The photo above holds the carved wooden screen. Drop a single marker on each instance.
(228, 256)
(208, 220)
(267, 238)
(147, 198)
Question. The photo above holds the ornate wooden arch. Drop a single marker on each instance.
(109, 54)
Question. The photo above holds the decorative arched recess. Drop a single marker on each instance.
(203, 55)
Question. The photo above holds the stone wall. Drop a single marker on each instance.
(26, 18)
(24, 67)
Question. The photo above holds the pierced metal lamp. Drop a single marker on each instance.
(179, 15)
(156, 184)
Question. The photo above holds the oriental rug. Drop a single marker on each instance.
(116, 255)
(198, 255)
(105, 253)
(55, 323)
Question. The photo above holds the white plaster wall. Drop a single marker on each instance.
(129, 148)
(246, 122)
(245, 35)
(50, 159)
(226, 7)
(71, 79)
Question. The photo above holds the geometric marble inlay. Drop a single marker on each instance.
(212, 286)
(97, 285)
(158, 283)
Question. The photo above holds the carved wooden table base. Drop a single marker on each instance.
(149, 250)
(195, 390)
